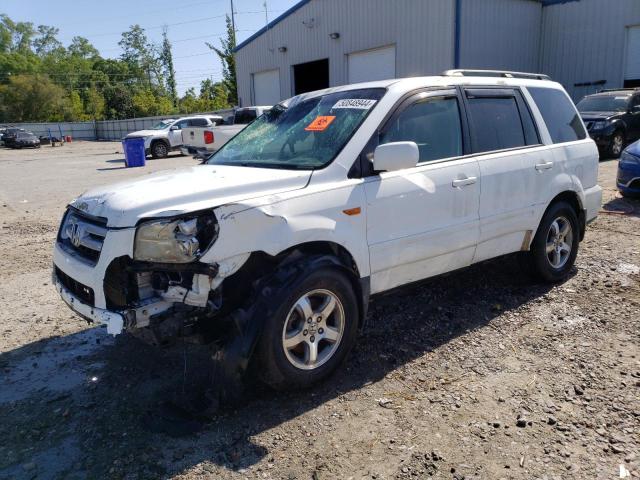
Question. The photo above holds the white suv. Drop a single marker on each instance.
(272, 248)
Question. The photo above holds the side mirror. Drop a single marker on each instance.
(635, 109)
(395, 156)
(174, 128)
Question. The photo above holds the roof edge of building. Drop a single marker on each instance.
(302, 3)
(271, 24)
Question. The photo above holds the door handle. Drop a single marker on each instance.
(544, 166)
(461, 182)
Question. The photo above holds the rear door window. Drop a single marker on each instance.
(559, 114)
(499, 120)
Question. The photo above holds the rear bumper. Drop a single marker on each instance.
(592, 202)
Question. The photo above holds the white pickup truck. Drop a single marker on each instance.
(166, 135)
(202, 141)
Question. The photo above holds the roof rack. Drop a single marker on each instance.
(604, 90)
(494, 73)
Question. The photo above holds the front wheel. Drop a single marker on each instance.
(616, 145)
(555, 246)
(311, 331)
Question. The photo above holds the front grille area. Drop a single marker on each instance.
(82, 236)
(80, 291)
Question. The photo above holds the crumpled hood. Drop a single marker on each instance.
(144, 133)
(184, 190)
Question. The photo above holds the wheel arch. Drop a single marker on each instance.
(572, 198)
(319, 253)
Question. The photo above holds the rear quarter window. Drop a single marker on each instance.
(559, 114)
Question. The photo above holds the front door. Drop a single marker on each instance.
(423, 221)
(175, 132)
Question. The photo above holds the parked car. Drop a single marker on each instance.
(166, 135)
(202, 141)
(612, 118)
(628, 180)
(10, 134)
(272, 248)
(25, 139)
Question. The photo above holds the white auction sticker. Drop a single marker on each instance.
(359, 103)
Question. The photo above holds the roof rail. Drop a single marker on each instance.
(618, 89)
(494, 73)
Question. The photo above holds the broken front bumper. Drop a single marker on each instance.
(113, 320)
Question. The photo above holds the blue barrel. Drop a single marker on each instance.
(133, 152)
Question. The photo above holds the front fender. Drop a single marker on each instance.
(274, 228)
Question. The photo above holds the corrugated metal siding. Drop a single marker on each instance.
(585, 42)
(422, 31)
(500, 34)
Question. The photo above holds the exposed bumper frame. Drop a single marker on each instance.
(113, 320)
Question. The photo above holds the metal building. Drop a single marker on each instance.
(585, 44)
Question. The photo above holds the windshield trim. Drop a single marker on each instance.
(338, 151)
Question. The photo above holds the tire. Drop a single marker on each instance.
(616, 145)
(159, 149)
(285, 366)
(554, 265)
(629, 194)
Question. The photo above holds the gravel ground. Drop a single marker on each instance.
(478, 374)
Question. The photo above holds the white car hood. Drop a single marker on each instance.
(145, 133)
(173, 192)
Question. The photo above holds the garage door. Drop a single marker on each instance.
(266, 87)
(632, 72)
(378, 64)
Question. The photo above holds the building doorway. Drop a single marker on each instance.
(311, 76)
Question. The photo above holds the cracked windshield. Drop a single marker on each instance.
(306, 135)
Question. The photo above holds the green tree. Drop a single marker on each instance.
(141, 56)
(15, 36)
(81, 47)
(214, 95)
(166, 58)
(46, 40)
(32, 98)
(225, 53)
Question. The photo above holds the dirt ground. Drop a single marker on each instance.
(478, 374)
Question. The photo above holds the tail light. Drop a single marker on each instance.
(208, 137)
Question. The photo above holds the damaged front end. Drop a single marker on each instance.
(159, 290)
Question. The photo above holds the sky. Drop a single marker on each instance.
(190, 23)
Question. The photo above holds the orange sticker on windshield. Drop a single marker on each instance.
(320, 123)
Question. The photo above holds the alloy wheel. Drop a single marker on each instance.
(559, 242)
(313, 329)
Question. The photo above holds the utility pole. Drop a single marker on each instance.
(233, 22)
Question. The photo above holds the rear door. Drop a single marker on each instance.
(423, 221)
(515, 168)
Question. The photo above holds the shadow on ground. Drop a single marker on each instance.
(96, 417)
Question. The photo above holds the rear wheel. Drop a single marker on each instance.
(159, 150)
(311, 331)
(555, 246)
(616, 145)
